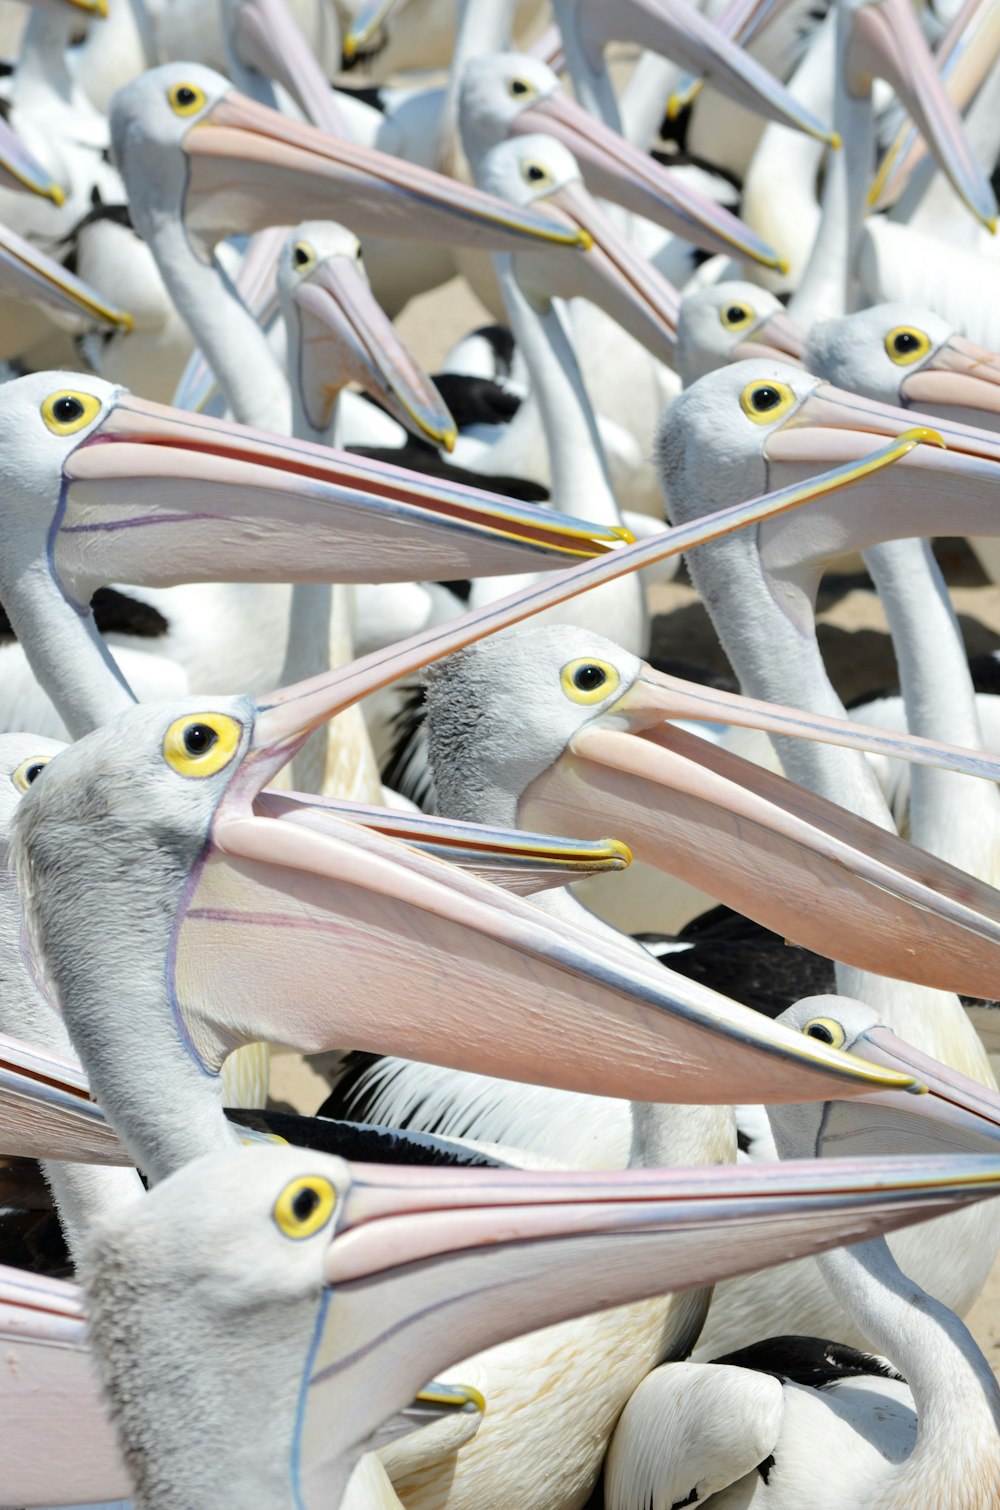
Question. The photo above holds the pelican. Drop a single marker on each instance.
(793, 1420)
(48, 1391)
(733, 322)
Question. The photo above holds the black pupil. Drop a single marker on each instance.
(300, 256)
(199, 738)
(185, 95)
(518, 87)
(765, 398)
(33, 771)
(817, 1030)
(734, 314)
(535, 173)
(906, 341)
(304, 1204)
(67, 409)
(587, 678)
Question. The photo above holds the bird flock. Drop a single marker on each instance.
(649, 1013)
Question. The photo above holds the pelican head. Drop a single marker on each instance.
(510, 94)
(554, 727)
(189, 145)
(954, 1115)
(338, 333)
(149, 880)
(759, 424)
(731, 322)
(345, 1286)
(911, 357)
(538, 170)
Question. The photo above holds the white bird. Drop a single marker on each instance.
(794, 1421)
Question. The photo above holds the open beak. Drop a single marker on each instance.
(778, 335)
(520, 862)
(346, 332)
(963, 58)
(832, 425)
(962, 379)
(615, 170)
(612, 275)
(886, 42)
(680, 32)
(956, 1115)
(26, 272)
(250, 167)
(424, 1269)
(155, 496)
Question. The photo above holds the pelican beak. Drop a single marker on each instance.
(369, 19)
(675, 29)
(961, 378)
(155, 496)
(26, 272)
(250, 167)
(423, 1268)
(626, 285)
(832, 425)
(885, 42)
(963, 58)
(615, 170)
(345, 330)
(805, 868)
(268, 40)
(520, 862)
(777, 335)
(956, 1115)
(46, 1110)
(24, 171)
(741, 21)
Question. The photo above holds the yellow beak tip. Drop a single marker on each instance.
(448, 439)
(349, 47)
(674, 107)
(783, 266)
(924, 435)
(621, 849)
(621, 533)
(125, 322)
(835, 140)
(584, 240)
(57, 196)
(991, 225)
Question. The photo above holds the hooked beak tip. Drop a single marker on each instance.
(57, 196)
(834, 140)
(448, 439)
(584, 240)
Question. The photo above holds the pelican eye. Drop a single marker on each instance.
(66, 412)
(29, 771)
(766, 402)
(737, 316)
(186, 99)
(906, 344)
(303, 254)
(202, 743)
(826, 1030)
(589, 681)
(534, 172)
(520, 89)
(304, 1206)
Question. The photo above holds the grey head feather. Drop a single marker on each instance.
(497, 716)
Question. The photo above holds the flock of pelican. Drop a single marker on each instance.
(328, 724)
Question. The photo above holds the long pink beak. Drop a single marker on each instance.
(424, 1270)
(961, 381)
(778, 336)
(156, 496)
(46, 1110)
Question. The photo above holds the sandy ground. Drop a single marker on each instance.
(853, 637)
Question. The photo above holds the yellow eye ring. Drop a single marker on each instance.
(905, 344)
(535, 173)
(68, 410)
(28, 771)
(304, 1206)
(520, 89)
(737, 316)
(764, 401)
(826, 1030)
(303, 256)
(589, 680)
(201, 743)
(186, 99)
